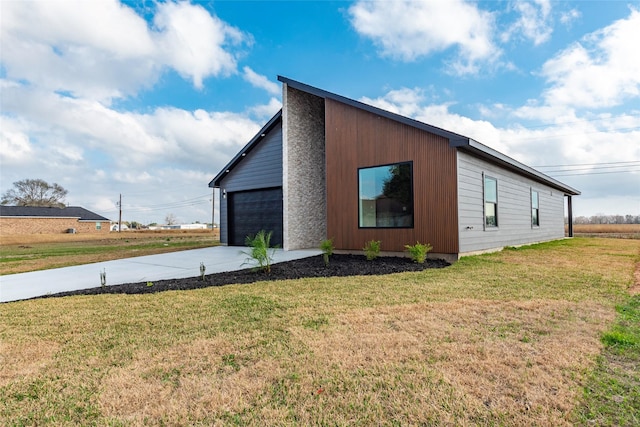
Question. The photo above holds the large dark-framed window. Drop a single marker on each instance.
(385, 196)
(490, 202)
(535, 209)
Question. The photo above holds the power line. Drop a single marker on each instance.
(586, 164)
(162, 206)
(597, 173)
(143, 209)
(591, 168)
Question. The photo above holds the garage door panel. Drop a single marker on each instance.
(252, 211)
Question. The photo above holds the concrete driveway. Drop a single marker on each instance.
(174, 265)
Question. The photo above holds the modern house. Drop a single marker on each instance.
(46, 220)
(326, 166)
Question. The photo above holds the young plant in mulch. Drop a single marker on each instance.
(418, 251)
(202, 270)
(372, 249)
(326, 246)
(260, 251)
(103, 278)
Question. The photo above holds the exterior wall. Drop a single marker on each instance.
(261, 168)
(514, 208)
(357, 138)
(29, 225)
(304, 190)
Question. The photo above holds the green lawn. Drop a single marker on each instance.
(520, 337)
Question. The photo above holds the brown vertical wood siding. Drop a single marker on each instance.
(356, 138)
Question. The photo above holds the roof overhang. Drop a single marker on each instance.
(273, 122)
(475, 148)
(457, 141)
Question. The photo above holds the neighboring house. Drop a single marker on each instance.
(43, 220)
(185, 227)
(121, 227)
(326, 166)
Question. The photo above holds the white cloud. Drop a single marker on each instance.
(133, 139)
(407, 30)
(569, 17)
(534, 22)
(194, 43)
(266, 111)
(260, 81)
(15, 146)
(103, 50)
(601, 71)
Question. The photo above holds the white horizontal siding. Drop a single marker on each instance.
(514, 208)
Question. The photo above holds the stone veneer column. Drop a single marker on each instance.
(303, 186)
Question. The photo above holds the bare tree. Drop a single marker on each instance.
(170, 219)
(34, 192)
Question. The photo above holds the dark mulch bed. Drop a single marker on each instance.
(339, 265)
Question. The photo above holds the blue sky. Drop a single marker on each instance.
(151, 99)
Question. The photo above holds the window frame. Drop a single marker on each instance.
(535, 224)
(412, 224)
(484, 204)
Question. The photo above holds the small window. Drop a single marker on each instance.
(386, 196)
(490, 202)
(98, 226)
(535, 209)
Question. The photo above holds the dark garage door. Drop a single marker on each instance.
(252, 211)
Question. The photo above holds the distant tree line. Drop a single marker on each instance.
(607, 219)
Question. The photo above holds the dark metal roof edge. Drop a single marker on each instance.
(475, 147)
(455, 140)
(370, 108)
(215, 182)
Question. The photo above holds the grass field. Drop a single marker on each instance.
(541, 335)
(22, 253)
(626, 231)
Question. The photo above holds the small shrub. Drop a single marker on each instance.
(418, 252)
(372, 249)
(326, 246)
(149, 284)
(260, 251)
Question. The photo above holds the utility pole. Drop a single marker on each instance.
(120, 214)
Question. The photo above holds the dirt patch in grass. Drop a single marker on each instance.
(24, 359)
(190, 380)
(340, 265)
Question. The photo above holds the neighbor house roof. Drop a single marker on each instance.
(46, 212)
(457, 141)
